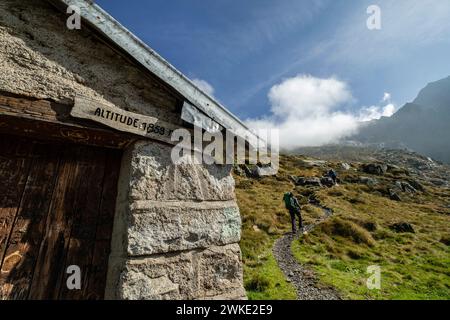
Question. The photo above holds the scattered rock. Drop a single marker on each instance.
(246, 170)
(327, 181)
(405, 187)
(238, 171)
(394, 196)
(301, 181)
(375, 168)
(313, 163)
(416, 185)
(368, 181)
(264, 171)
(402, 227)
(345, 166)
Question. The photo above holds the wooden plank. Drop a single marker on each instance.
(14, 165)
(62, 132)
(99, 264)
(23, 246)
(82, 238)
(49, 269)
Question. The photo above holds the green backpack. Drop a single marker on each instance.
(287, 200)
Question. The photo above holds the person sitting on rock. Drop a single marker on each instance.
(293, 206)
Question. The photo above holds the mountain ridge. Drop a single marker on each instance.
(421, 125)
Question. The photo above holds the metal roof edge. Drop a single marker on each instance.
(153, 62)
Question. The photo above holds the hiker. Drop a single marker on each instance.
(293, 206)
(332, 174)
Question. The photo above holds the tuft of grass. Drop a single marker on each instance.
(339, 227)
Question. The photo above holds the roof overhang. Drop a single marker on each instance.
(110, 28)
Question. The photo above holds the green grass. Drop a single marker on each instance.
(267, 282)
(413, 266)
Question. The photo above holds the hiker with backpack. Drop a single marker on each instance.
(293, 206)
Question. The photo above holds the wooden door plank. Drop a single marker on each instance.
(99, 264)
(49, 269)
(14, 166)
(82, 238)
(23, 246)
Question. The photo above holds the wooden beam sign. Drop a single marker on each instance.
(125, 121)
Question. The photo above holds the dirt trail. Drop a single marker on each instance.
(303, 279)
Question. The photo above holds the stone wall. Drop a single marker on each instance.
(176, 230)
(41, 58)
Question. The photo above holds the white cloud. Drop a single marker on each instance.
(205, 86)
(304, 95)
(304, 110)
(377, 112)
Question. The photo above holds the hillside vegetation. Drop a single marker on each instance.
(398, 219)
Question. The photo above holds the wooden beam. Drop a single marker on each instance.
(43, 119)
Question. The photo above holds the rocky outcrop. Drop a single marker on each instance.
(375, 168)
(313, 181)
(368, 181)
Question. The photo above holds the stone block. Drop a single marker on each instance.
(197, 274)
(158, 227)
(155, 177)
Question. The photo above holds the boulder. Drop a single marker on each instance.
(394, 196)
(416, 185)
(327, 181)
(315, 182)
(375, 168)
(247, 170)
(238, 171)
(264, 171)
(402, 227)
(368, 181)
(405, 187)
(345, 166)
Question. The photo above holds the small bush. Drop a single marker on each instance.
(258, 283)
(445, 240)
(369, 226)
(347, 229)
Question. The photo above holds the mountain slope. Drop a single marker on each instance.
(423, 125)
(367, 227)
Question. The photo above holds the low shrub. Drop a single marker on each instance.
(347, 229)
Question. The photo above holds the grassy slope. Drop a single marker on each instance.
(340, 250)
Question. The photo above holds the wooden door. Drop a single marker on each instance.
(57, 206)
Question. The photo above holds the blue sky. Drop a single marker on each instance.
(245, 48)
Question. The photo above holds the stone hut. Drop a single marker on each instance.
(88, 188)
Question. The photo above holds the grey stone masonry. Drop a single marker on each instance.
(176, 230)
